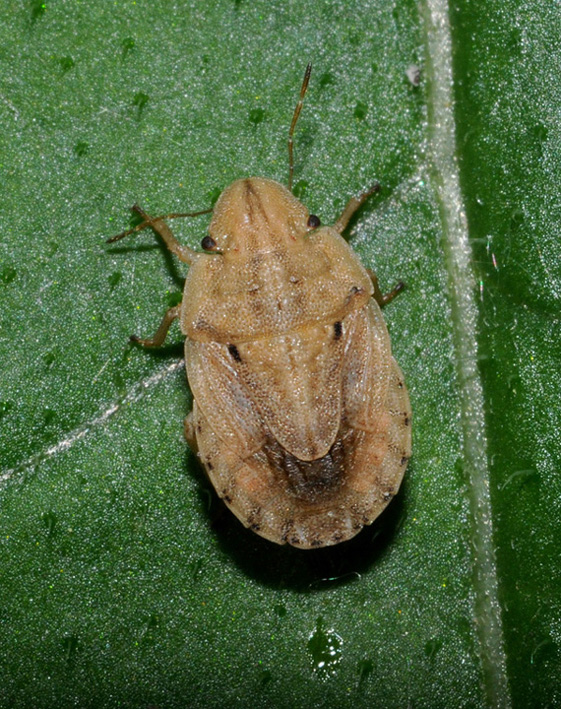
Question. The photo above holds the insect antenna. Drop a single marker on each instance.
(293, 125)
(149, 222)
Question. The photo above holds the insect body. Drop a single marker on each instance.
(300, 416)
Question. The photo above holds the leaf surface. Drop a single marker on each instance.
(123, 582)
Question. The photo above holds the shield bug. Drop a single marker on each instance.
(300, 416)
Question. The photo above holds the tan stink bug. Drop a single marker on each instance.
(300, 415)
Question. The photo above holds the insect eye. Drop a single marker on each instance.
(208, 244)
(313, 221)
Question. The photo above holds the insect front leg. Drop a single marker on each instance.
(183, 253)
(158, 339)
(352, 205)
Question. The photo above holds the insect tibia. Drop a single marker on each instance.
(384, 298)
(161, 333)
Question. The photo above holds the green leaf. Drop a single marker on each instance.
(122, 581)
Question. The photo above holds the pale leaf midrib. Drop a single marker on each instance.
(461, 284)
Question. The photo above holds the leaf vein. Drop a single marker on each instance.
(81, 431)
(462, 288)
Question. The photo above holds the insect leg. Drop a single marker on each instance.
(184, 253)
(162, 331)
(352, 205)
(189, 432)
(378, 296)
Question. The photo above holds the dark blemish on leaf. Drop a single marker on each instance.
(7, 274)
(140, 100)
(127, 46)
(49, 520)
(173, 298)
(71, 646)
(266, 676)
(114, 279)
(364, 670)
(300, 189)
(5, 408)
(432, 647)
(66, 63)
(213, 195)
(49, 416)
(540, 132)
(516, 219)
(361, 109)
(256, 116)
(81, 148)
(38, 9)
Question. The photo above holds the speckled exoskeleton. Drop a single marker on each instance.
(300, 416)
